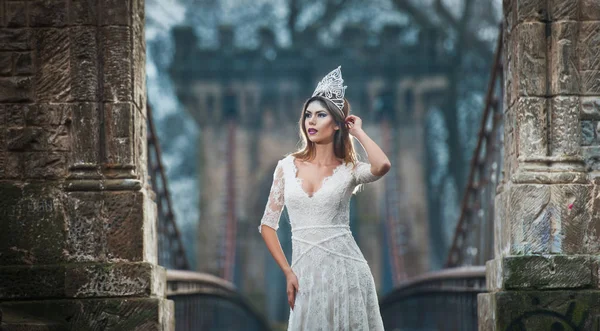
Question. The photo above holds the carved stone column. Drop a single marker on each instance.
(545, 274)
(77, 220)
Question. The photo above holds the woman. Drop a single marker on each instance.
(329, 284)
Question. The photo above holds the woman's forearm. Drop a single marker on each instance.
(272, 241)
(380, 164)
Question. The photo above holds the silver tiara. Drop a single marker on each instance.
(332, 87)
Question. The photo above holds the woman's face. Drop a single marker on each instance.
(320, 124)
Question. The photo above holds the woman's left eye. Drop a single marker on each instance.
(322, 114)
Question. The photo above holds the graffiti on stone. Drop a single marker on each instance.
(550, 320)
(29, 207)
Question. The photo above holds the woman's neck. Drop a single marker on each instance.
(324, 155)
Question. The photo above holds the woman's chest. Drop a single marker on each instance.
(332, 188)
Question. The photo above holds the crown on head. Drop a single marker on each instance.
(332, 87)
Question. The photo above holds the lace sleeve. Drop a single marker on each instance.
(275, 202)
(362, 173)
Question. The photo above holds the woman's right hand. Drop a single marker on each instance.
(292, 288)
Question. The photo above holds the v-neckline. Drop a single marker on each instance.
(323, 181)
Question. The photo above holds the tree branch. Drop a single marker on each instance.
(293, 18)
(331, 10)
(417, 15)
(481, 47)
(421, 19)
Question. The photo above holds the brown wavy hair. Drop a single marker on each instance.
(343, 145)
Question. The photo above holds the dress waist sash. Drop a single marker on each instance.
(319, 244)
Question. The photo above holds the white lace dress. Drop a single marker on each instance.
(336, 288)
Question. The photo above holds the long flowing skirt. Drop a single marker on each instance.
(336, 288)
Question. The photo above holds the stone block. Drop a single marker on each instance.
(511, 139)
(541, 310)
(501, 228)
(485, 314)
(591, 240)
(16, 14)
(43, 225)
(16, 89)
(565, 133)
(32, 282)
(141, 146)
(84, 63)
(21, 139)
(532, 121)
(116, 12)
(531, 59)
(588, 46)
(11, 165)
(50, 139)
(114, 280)
(120, 234)
(109, 314)
(118, 83)
(509, 14)
(47, 114)
(564, 74)
(548, 219)
(83, 12)
(44, 13)
(150, 231)
(6, 63)
(531, 10)
(590, 108)
(542, 272)
(2, 14)
(531, 171)
(590, 82)
(15, 39)
(138, 10)
(23, 63)
(563, 10)
(573, 218)
(527, 227)
(591, 156)
(590, 10)
(131, 232)
(85, 227)
(119, 119)
(510, 74)
(45, 165)
(52, 63)
(12, 115)
(139, 63)
(86, 135)
(32, 230)
(588, 133)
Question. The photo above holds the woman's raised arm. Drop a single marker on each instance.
(380, 164)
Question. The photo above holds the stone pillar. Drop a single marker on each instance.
(77, 219)
(545, 272)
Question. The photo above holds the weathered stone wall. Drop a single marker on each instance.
(545, 273)
(77, 220)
